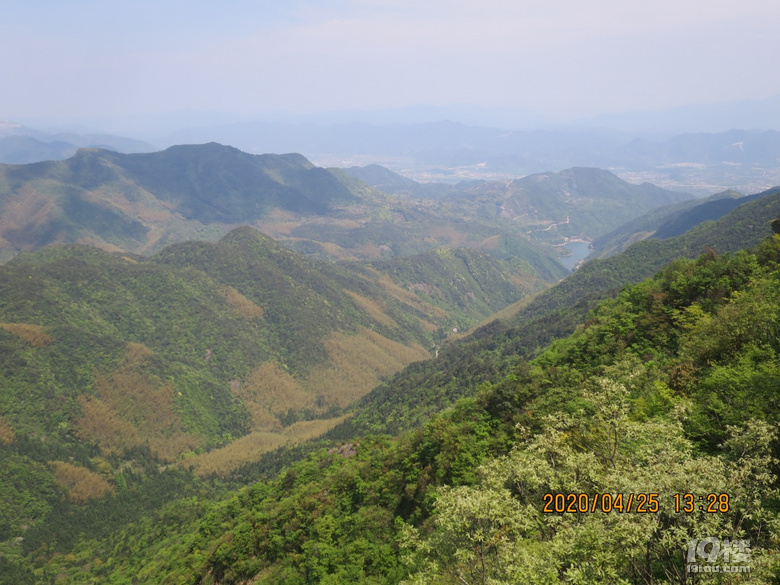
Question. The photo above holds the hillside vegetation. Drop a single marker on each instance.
(139, 202)
(578, 202)
(142, 202)
(422, 389)
(667, 389)
(550, 207)
(122, 375)
(671, 220)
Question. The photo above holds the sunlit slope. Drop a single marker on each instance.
(422, 389)
(670, 388)
(206, 355)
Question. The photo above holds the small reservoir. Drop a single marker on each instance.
(575, 251)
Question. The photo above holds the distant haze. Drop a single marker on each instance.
(123, 65)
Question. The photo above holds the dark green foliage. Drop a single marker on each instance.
(66, 523)
(329, 518)
(27, 492)
(673, 220)
(212, 182)
(14, 573)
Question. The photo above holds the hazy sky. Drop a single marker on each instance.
(562, 58)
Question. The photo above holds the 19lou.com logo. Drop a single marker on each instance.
(712, 555)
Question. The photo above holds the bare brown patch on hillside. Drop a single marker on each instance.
(427, 325)
(335, 250)
(357, 364)
(153, 236)
(137, 353)
(132, 200)
(80, 483)
(408, 297)
(369, 251)
(279, 228)
(448, 236)
(99, 243)
(490, 243)
(32, 334)
(101, 423)
(29, 208)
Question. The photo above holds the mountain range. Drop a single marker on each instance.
(136, 389)
(20, 144)
(142, 202)
(186, 398)
(443, 150)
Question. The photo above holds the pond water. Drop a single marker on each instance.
(579, 250)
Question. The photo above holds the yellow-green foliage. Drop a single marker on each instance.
(373, 308)
(412, 299)
(497, 531)
(133, 409)
(81, 484)
(269, 392)
(249, 447)
(311, 429)
(32, 334)
(358, 363)
(232, 456)
(241, 304)
(7, 435)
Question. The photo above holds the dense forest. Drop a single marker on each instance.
(666, 390)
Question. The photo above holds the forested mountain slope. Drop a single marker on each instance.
(424, 388)
(200, 358)
(672, 220)
(577, 202)
(143, 202)
(668, 389)
(137, 202)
